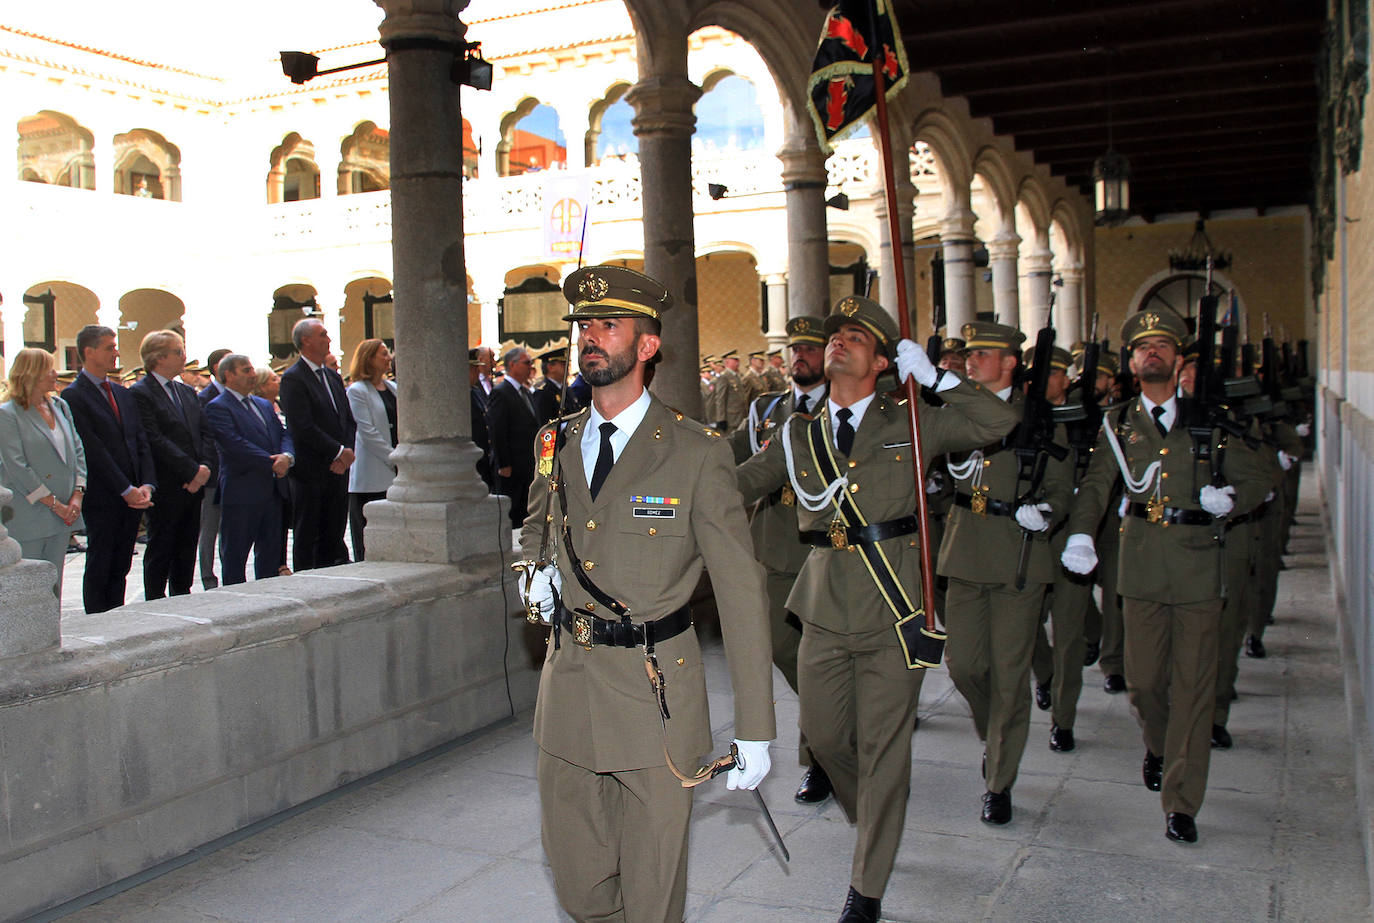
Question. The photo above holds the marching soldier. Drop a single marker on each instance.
(849, 466)
(996, 554)
(632, 503)
(710, 397)
(775, 375)
(733, 397)
(1102, 627)
(773, 523)
(1179, 492)
(939, 485)
(1286, 451)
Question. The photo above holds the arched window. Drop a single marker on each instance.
(612, 134)
(532, 140)
(293, 175)
(472, 151)
(365, 164)
(728, 117)
(54, 149)
(147, 165)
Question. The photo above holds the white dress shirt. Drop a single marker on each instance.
(626, 422)
(856, 410)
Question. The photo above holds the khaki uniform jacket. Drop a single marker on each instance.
(1169, 564)
(733, 398)
(774, 379)
(773, 524)
(668, 506)
(754, 384)
(834, 589)
(986, 549)
(712, 408)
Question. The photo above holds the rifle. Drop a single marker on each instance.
(1207, 409)
(1082, 418)
(934, 345)
(1033, 439)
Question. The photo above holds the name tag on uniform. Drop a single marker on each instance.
(654, 512)
(896, 445)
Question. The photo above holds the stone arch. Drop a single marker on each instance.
(1031, 198)
(143, 310)
(365, 160)
(294, 174)
(147, 165)
(291, 303)
(755, 129)
(54, 311)
(991, 166)
(514, 157)
(614, 97)
(946, 141)
(1071, 230)
(56, 149)
(367, 312)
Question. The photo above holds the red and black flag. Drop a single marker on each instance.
(840, 94)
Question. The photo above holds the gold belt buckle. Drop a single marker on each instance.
(582, 631)
(788, 498)
(839, 535)
(1154, 510)
(979, 503)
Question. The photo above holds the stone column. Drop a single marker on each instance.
(1006, 297)
(1036, 303)
(32, 616)
(663, 124)
(956, 243)
(437, 510)
(776, 283)
(1068, 307)
(808, 241)
(12, 316)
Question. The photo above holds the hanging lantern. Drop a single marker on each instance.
(1111, 189)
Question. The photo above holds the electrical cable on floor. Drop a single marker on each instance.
(501, 545)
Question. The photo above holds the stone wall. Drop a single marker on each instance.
(161, 726)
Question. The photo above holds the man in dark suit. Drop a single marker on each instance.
(513, 422)
(322, 429)
(554, 365)
(477, 396)
(209, 506)
(255, 455)
(182, 450)
(119, 466)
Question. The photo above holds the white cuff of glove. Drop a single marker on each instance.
(1080, 554)
(1303, 430)
(546, 580)
(1285, 460)
(753, 764)
(1123, 506)
(1219, 501)
(912, 362)
(1031, 517)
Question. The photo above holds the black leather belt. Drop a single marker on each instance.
(990, 507)
(1254, 515)
(587, 629)
(1172, 515)
(838, 537)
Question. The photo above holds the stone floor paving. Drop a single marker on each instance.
(455, 837)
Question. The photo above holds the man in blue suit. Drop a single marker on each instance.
(255, 453)
(120, 471)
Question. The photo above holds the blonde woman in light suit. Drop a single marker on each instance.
(372, 398)
(42, 461)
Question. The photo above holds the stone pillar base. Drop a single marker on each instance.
(32, 618)
(437, 533)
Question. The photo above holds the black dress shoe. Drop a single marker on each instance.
(860, 909)
(1091, 653)
(1114, 683)
(1042, 696)
(1152, 771)
(997, 807)
(1180, 828)
(1061, 739)
(1254, 647)
(815, 786)
(1221, 738)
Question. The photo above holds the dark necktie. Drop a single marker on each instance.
(1158, 413)
(109, 393)
(803, 403)
(525, 396)
(176, 401)
(604, 459)
(319, 373)
(844, 435)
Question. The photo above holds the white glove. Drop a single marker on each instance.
(1031, 517)
(1219, 501)
(1080, 556)
(1303, 430)
(1269, 496)
(912, 362)
(1285, 460)
(1123, 506)
(546, 580)
(753, 764)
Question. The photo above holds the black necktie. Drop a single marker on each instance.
(525, 396)
(319, 373)
(844, 436)
(1158, 413)
(604, 460)
(803, 403)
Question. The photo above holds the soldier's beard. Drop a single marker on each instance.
(804, 376)
(1156, 373)
(615, 368)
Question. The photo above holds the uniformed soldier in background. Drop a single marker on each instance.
(554, 366)
(634, 502)
(732, 396)
(773, 519)
(1285, 453)
(992, 621)
(775, 374)
(939, 485)
(752, 377)
(1102, 629)
(710, 399)
(1179, 492)
(850, 469)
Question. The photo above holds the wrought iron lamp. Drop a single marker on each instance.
(1194, 257)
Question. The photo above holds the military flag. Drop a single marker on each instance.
(840, 92)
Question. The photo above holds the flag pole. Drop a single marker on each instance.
(904, 324)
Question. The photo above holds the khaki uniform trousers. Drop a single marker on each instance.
(991, 631)
(616, 841)
(1061, 664)
(1103, 624)
(1171, 677)
(785, 629)
(858, 705)
(1270, 559)
(1240, 557)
